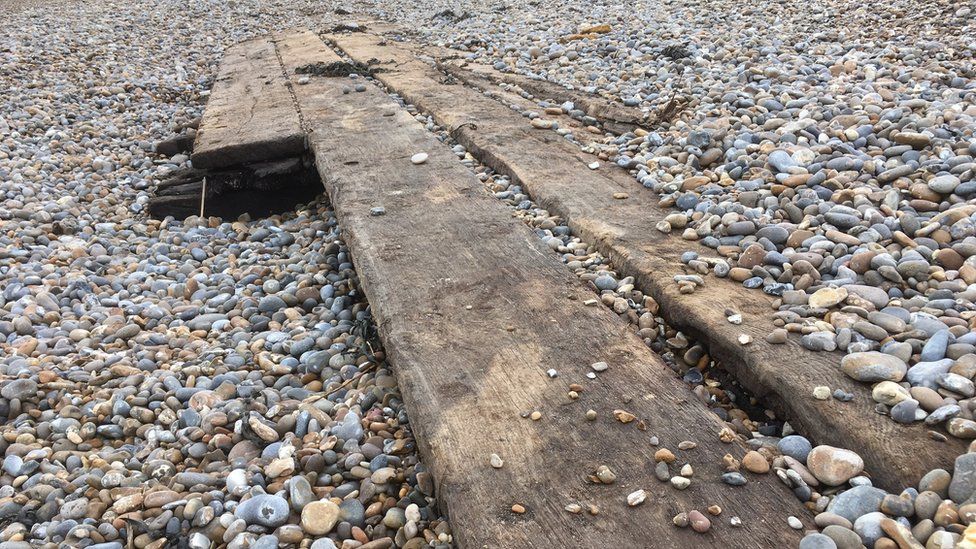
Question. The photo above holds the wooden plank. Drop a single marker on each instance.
(251, 115)
(613, 116)
(473, 310)
(555, 173)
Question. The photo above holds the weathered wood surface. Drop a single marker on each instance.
(555, 173)
(250, 116)
(473, 311)
(613, 116)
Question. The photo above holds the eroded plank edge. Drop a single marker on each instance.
(473, 310)
(250, 116)
(554, 172)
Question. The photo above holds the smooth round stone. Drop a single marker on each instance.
(944, 184)
(12, 464)
(320, 517)
(844, 537)
(605, 282)
(889, 393)
(265, 510)
(236, 482)
(754, 462)
(419, 158)
(905, 411)
(734, 479)
(300, 493)
(957, 384)
(825, 519)
(834, 466)
(928, 399)
(936, 480)
(271, 303)
(963, 485)
(825, 298)
(872, 366)
(868, 526)
(856, 502)
(935, 348)
(795, 446)
(817, 541)
(699, 522)
(353, 512)
(662, 472)
(926, 504)
(23, 389)
(926, 374)
(395, 518)
(819, 341)
(962, 428)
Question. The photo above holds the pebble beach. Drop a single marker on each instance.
(219, 382)
(179, 383)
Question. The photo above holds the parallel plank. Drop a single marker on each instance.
(555, 174)
(251, 115)
(613, 116)
(473, 311)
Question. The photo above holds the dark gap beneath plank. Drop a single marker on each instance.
(259, 190)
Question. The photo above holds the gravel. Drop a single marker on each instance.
(194, 383)
(823, 151)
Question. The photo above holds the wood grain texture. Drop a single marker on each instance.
(613, 116)
(473, 310)
(554, 172)
(250, 116)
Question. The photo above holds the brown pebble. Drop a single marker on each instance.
(714, 510)
(664, 455)
(885, 543)
(754, 462)
(518, 509)
(730, 463)
(624, 416)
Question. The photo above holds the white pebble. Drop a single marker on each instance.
(636, 498)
